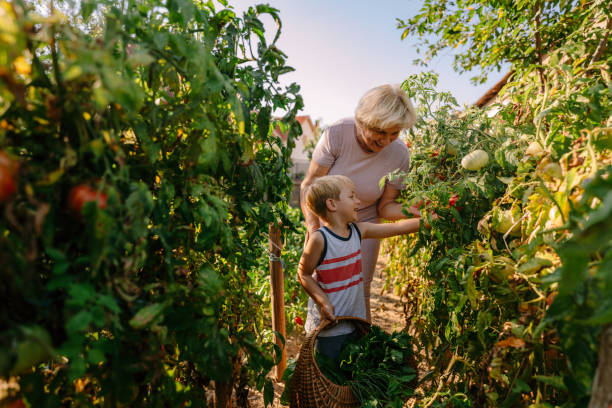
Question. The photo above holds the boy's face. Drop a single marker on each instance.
(347, 204)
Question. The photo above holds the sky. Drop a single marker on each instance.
(342, 48)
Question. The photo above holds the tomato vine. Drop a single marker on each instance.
(147, 169)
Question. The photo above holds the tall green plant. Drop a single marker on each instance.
(489, 35)
(508, 302)
(136, 288)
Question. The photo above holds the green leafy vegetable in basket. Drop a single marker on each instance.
(381, 367)
(331, 370)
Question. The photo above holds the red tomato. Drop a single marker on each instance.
(435, 153)
(16, 404)
(82, 194)
(8, 186)
(6, 161)
(8, 176)
(453, 200)
(299, 321)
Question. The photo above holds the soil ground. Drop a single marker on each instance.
(387, 312)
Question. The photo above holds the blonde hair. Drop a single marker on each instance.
(385, 107)
(323, 188)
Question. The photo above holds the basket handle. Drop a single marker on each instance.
(326, 323)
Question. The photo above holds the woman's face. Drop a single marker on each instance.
(374, 140)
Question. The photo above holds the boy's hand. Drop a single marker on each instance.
(433, 216)
(328, 312)
(414, 210)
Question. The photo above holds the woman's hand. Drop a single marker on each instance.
(309, 231)
(387, 207)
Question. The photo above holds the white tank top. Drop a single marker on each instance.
(339, 275)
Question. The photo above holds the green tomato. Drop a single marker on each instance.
(475, 160)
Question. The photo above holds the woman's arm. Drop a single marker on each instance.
(315, 170)
(308, 263)
(389, 209)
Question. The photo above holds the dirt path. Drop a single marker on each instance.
(387, 313)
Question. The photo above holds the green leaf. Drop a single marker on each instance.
(263, 122)
(533, 265)
(471, 289)
(87, 8)
(95, 356)
(81, 293)
(138, 58)
(147, 315)
(109, 302)
(268, 393)
(520, 386)
(79, 322)
(555, 381)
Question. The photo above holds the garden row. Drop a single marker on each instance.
(508, 293)
(138, 175)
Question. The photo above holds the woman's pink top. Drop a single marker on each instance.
(338, 149)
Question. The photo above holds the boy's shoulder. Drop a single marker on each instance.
(318, 235)
(316, 240)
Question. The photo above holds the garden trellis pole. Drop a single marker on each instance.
(277, 295)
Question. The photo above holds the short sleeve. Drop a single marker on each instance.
(403, 168)
(326, 151)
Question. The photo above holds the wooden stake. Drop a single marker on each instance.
(277, 295)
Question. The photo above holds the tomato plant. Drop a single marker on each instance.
(8, 177)
(168, 107)
(502, 291)
(82, 194)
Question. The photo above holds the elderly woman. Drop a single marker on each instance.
(366, 149)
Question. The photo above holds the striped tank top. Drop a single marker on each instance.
(339, 275)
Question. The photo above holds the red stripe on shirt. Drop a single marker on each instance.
(341, 273)
(342, 258)
(339, 288)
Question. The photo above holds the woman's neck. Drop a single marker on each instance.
(359, 139)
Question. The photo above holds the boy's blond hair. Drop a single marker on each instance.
(323, 188)
(385, 107)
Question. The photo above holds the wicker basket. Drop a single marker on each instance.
(309, 387)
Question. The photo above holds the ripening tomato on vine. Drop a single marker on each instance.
(82, 194)
(8, 176)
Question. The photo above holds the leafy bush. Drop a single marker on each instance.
(514, 289)
(506, 291)
(132, 289)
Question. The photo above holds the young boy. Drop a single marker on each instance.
(330, 267)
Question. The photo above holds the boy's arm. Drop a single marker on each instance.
(371, 230)
(388, 207)
(308, 263)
